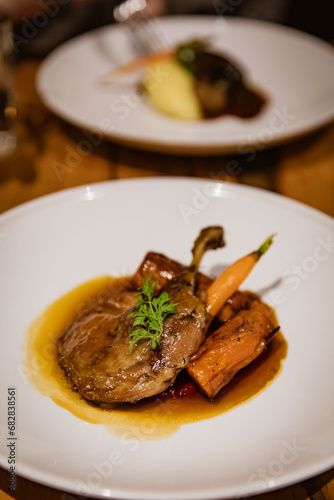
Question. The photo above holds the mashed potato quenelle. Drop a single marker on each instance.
(173, 94)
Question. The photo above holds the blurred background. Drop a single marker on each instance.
(39, 26)
(302, 169)
(68, 18)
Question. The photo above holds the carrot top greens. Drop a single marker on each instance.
(150, 313)
(264, 247)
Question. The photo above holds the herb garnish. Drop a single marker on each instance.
(150, 313)
(187, 54)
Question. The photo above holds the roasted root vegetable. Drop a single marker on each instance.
(240, 339)
(136, 65)
(232, 347)
(232, 277)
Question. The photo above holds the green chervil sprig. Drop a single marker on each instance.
(150, 313)
(187, 54)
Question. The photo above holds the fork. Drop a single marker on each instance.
(137, 17)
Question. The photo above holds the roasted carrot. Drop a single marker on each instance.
(232, 277)
(136, 65)
(232, 347)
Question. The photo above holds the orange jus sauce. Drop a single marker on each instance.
(149, 419)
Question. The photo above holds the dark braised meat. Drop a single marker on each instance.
(95, 350)
(220, 84)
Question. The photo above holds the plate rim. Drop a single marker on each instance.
(100, 186)
(214, 494)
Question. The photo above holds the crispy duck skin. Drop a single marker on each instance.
(95, 349)
(232, 347)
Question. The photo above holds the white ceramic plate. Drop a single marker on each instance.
(296, 70)
(283, 435)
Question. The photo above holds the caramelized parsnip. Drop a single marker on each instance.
(232, 347)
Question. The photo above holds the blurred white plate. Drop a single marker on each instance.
(294, 69)
(283, 435)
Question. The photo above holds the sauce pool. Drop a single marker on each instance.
(149, 419)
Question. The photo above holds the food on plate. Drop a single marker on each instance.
(106, 366)
(191, 82)
(233, 346)
(168, 320)
(230, 279)
(174, 93)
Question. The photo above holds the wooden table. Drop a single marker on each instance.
(302, 170)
